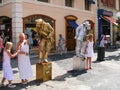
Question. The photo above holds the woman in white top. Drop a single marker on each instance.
(24, 64)
(7, 69)
(89, 51)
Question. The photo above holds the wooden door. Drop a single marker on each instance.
(70, 40)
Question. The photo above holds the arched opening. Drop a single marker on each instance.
(6, 28)
(29, 24)
(71, 25)
(70, 32)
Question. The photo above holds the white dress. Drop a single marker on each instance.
(24, 65)
(90, 51)
(7, 69)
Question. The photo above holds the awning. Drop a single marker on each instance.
(91, 1)
(110, 19)
(73, 23)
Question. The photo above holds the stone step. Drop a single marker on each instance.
(34, 52)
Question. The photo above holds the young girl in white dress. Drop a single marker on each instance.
(7, 69)
(89, 51)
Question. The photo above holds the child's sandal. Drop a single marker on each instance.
(90, 68)
(11, 86)
(24, 82)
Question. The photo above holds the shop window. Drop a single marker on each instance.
(111, 3)
(87, 5)
(69, 3)
(31, 20)
(30, 26)
(43, 0)
(104, 2)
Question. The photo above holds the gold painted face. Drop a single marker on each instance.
(39, 22)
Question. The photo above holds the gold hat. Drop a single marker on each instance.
(39, 20)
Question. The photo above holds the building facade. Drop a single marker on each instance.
(18, 15)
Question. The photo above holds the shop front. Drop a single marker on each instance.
(71, 25)
(106, 24)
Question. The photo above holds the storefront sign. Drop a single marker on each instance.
(107, 13)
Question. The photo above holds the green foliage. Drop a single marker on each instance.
(118, 27)
(89, 31)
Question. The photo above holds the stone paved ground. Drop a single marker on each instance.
(104, 75)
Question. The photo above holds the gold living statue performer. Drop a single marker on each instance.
(45, 35)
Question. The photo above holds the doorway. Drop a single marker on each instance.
(70, 32)
(70, 38)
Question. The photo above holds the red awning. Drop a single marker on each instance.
(110, 19)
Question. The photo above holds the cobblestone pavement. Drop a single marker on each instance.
(104, 75)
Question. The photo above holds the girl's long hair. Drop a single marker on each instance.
(8, 45)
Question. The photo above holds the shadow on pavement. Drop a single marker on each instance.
(20, 86)
(97, 61)
(112, 57)
(56, 57)
(15, 71)
(69, 74)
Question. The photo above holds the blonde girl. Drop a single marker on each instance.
(89, 51)
(7, 69)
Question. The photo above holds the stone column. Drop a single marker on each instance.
(111, 34)
(117, 4)
(17, 22)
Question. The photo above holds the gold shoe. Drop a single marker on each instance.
(45, 61)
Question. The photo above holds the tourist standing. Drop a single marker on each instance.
(24, 64)
(61, 44)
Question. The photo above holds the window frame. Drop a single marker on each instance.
(87, 5)
(45, 1)
(69, 3)
(109, 3)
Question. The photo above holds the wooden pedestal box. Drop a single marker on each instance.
(44, 71)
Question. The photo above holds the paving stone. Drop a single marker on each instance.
(104, 75)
